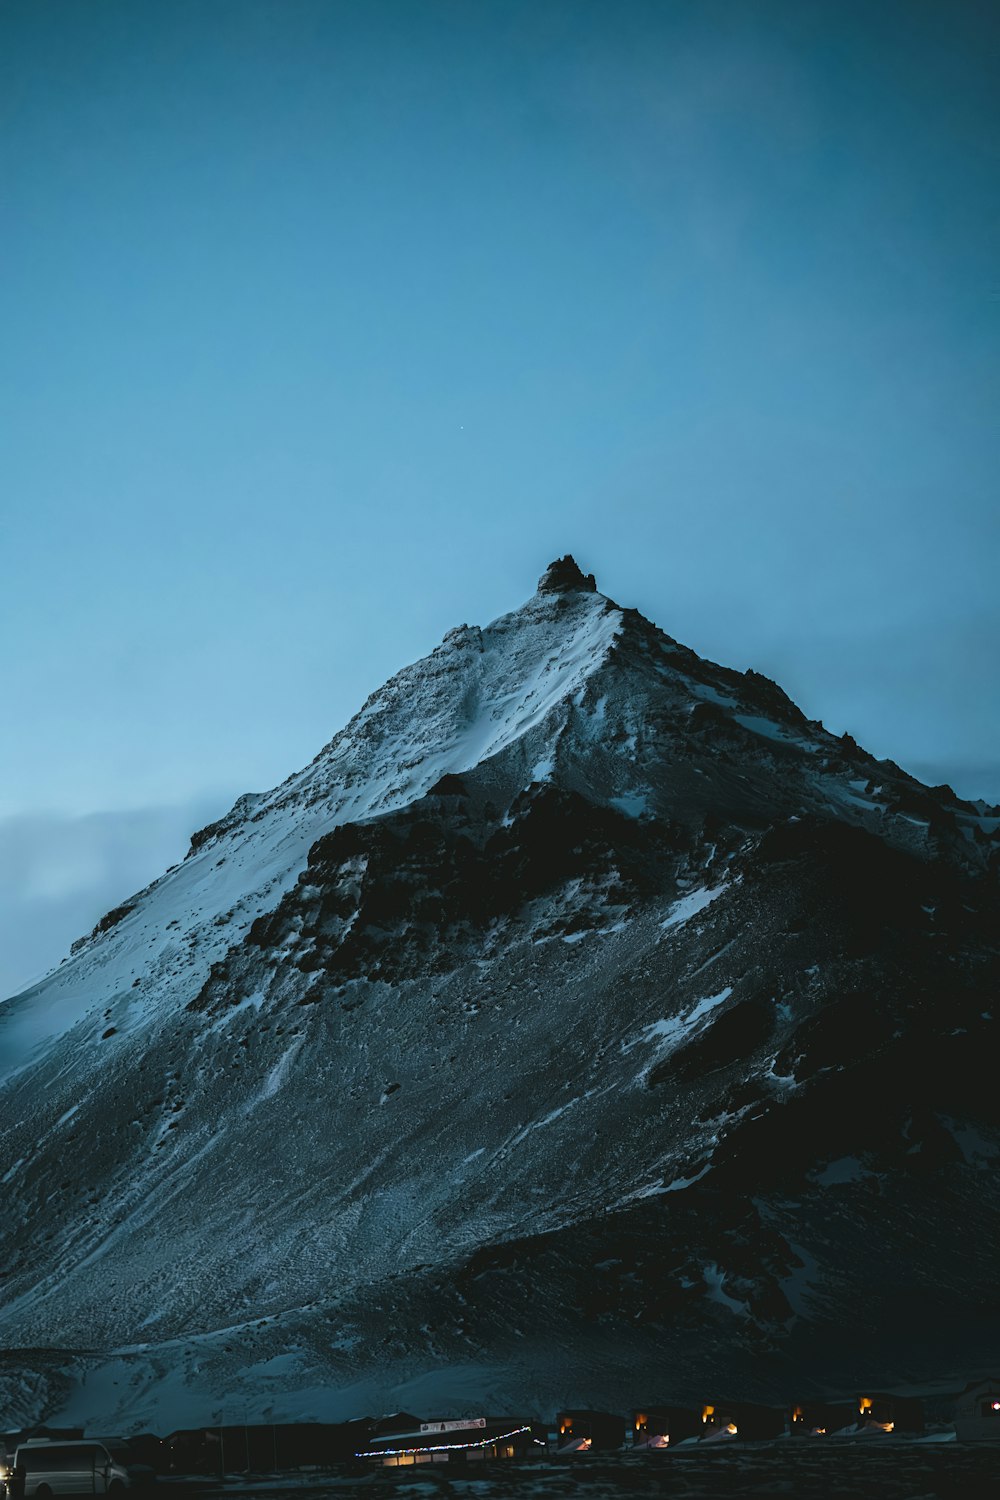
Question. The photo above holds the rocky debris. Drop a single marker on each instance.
(450, 879)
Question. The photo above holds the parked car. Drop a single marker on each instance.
(92, 1466)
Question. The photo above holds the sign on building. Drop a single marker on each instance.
(461, 1425)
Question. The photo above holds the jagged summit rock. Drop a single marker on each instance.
(577, 977)
(565, 574)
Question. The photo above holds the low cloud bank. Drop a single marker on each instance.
(59, 875)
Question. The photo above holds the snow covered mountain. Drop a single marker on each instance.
(582, 1025)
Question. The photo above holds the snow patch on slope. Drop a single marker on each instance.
(690, 905)
(665, 1036)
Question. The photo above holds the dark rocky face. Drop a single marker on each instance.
(564, 574)
(640, 1042)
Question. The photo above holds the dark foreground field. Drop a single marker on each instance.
(792, 1471)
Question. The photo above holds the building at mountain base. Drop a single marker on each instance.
(659, 1426)
(977, 1413)
(589, 1431)
(402, 1440)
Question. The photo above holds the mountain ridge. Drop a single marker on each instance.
(557, 889)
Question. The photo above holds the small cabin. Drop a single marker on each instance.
(744, 1419)
(589, 1432)
(891, 1413)
(403, 1440)
(977, 1413)
(659, 1426)
(821, 1418)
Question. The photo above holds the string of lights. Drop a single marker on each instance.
(486, 1442)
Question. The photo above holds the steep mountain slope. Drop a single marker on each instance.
(581, 1023)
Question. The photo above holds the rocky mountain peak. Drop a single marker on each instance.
(564, 574)
(577, 975)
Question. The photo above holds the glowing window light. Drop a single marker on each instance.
(707, 1411)
(864, 1403)
(442, 1447)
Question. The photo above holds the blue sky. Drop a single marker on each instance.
(326, 325)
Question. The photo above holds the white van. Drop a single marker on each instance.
(92, 1466)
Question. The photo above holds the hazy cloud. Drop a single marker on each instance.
(59, 874)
